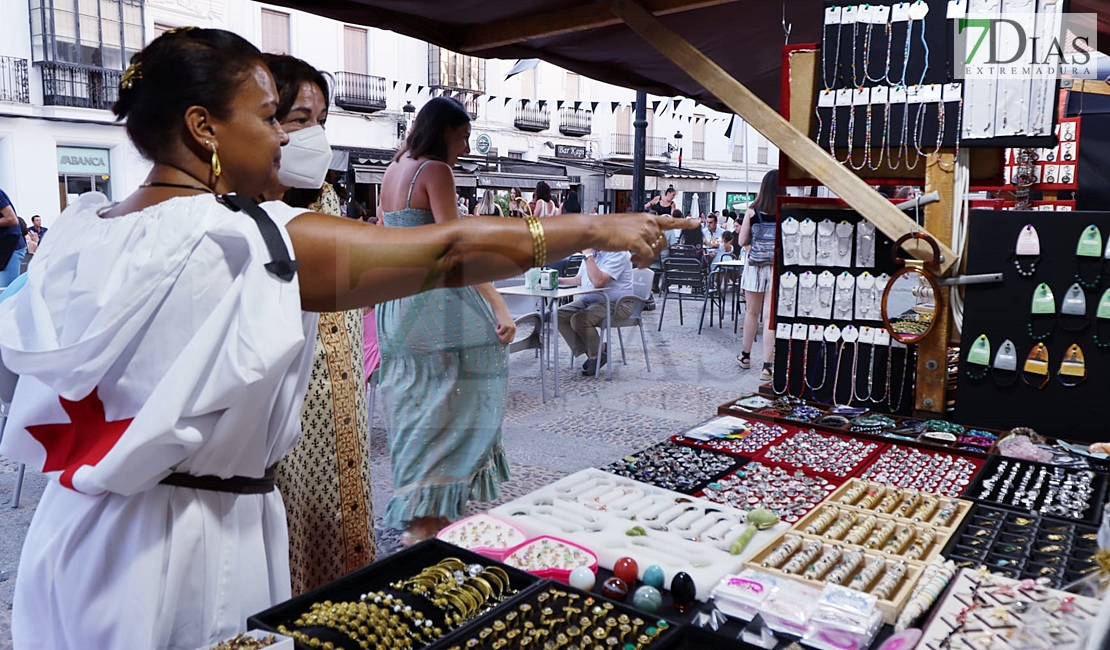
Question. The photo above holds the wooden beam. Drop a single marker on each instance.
(792, 142)
(930, 396)
(564, 21)
(1090, 86)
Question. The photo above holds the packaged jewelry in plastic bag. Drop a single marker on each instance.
(790, 607)
(845, 619)
(742, 595)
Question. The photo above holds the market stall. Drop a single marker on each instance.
(846, 505)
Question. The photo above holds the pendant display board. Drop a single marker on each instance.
(1054, 168)
(831, 267)
(1048, 364)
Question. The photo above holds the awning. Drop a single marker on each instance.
(505, 181)
(373, 174)
(658, 176)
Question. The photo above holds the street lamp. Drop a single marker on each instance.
(678, 138)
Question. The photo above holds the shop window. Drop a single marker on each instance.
(82, 170)
(95, 33)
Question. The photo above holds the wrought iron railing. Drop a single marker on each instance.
(575, 121)
(84, 86)
(623, 143)
(359, 92)
(532, 118)
(13, 80)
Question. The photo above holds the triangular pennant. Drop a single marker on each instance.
(541, 103)
(577, 105)
(613, 106)
(490, 98)
(394, 85)
(688, 118)
(664, 109)
(633, 106)
(507, 100)
(407, 86)
(593, 106)
(559, 105)
(676, 103)
(728, 131)
(419, 89)
(655, 107)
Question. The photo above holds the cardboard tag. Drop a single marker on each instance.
(861, 96)
(867, 335)
(900, 12)
(898, 94)
(1104, 305)
(800, 332)
(844, 97)
(863, 14)
(880, 95)
(832, 16)
(783, 331)
(850, 334)
(1029, 242)
(816, 333)
(980, 353)
(832, 332)
(1006, 359)
(881, 15)
(932, 93)
(953, 92)
(914, 95)
(1043, 300)
(1090, 242)
(957, 9)
(918, 10)
(826, 99)
(850, 15)
(882, 337)
(1075, 301)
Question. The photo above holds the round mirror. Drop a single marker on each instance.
(909, 304)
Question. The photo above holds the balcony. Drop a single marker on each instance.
(361, 93)
(623, 142)
(698, 151)
(13, 80)
(532, 118)
(575, 122)
(82, 86)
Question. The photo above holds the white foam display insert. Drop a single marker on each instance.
(596, 510)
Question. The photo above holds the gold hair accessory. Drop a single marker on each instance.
(130, 76)
(176, 30)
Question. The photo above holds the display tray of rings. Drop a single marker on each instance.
(827, 455)
(789, 492)
(1066, 493)
(732, 435)
(672, 466)
(983, 610)
(1024, 545)
(414, 598)
(945, 473)
(559, 616)
(616, 517)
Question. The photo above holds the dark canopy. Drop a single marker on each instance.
(742, 36)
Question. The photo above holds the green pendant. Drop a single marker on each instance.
(980, 353)
(1104, 305)
(1043, 300)
(1090, 242)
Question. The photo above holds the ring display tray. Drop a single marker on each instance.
(1037, 487)
(599, 510)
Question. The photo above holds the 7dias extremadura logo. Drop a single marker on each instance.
(1026, 46)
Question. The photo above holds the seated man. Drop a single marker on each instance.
(711, 233)
(579, 320)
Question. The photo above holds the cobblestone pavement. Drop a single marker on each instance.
(591, 424)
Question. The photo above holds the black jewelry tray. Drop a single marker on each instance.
(671, 638)
(379, 575)
(1094, 505)
(619, 468)
(1007, 534)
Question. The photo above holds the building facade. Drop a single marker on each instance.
(60, 63)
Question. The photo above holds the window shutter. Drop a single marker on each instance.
(354, 50)
(275, 32)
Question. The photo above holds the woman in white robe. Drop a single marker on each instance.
(163, 351)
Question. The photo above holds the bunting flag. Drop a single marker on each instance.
(507, 100)
(666, 105)
(613, 106)
(633, 108)
(728, 131)
(490, 98)
(394, 85)
(541, 103)
(559, 105)
(655, 107)
(676, 104)
(593, 106)
(419, 89)
(577, 105)
(407, 86)
(732, 133)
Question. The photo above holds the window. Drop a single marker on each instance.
(574, 83)
(650, 123)
(528, 83)
(623, 116)
(159, 29)
(761, 153)
(698, 150)
(738, 150)
(354, 49)
(447, 69)
(97, 33)
(275, 32)
(518, 155)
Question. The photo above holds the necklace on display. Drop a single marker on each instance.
(807, 290)
(894, 408)
(855, 378)
(886, 384)
(884, 148)
(824, 370)
(836, 379)
(866, 162)
(844, 232)
(789, 357)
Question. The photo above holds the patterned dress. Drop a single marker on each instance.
(325, 481)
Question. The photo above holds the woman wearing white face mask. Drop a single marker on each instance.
(325, 480)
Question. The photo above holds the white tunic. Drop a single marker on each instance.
(168, 317)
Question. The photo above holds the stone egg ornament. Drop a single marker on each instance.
(626, 569)
(583, 578)
(648, 599)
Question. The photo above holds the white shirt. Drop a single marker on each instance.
(169, 319)
(618, 266)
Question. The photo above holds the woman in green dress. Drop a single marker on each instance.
(444, 371)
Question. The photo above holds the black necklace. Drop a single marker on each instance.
(182, 186)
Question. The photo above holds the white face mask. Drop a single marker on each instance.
(305, 159)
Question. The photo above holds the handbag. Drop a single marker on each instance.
(762, 252)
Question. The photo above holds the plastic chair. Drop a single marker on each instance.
(683, 279)
(574, 262)
(641, 287)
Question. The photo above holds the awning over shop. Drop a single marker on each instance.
(660, 176)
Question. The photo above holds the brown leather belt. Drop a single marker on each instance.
(234, 485)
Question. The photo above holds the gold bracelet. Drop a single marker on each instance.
(539, 242)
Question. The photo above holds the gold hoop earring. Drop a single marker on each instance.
(215, 164)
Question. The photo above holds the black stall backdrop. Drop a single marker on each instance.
(1003, 311)
(877, 377)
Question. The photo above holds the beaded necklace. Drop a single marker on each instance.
(789, 359)
(824, 370)
(839, 362)
(870, 375)
(886, 387)
(901, 385)
(825, 82)
(866, 162)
